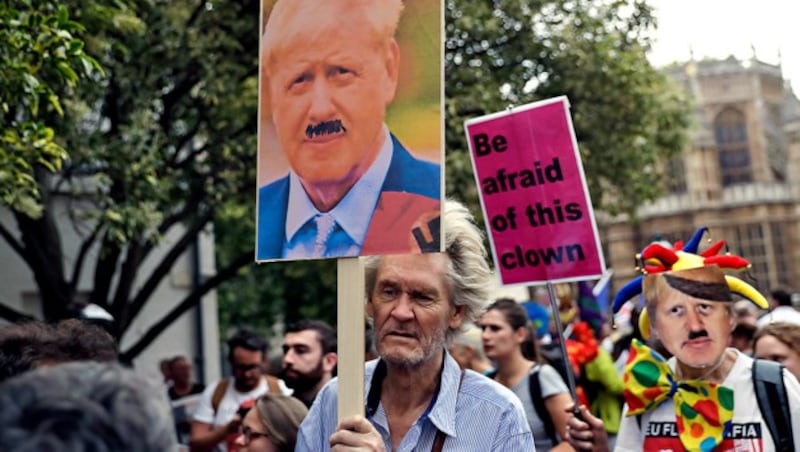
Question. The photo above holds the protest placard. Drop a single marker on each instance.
(533, 194)
(339, 173)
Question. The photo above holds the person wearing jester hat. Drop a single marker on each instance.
(703, 398)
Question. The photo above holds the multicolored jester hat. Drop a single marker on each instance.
(657, 258)
(703, 410)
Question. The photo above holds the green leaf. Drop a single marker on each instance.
(63, 15)
(66, 71)
(75, 47)
(55, 103)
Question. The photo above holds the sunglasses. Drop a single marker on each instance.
(245, 367)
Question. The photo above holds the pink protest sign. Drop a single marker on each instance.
(534, 195)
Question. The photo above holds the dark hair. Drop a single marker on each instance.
(248, 340)
(22, 346)
(85, 406)
(782, 297)
(175, 359)
(517, 317)
(82, 341)
(744, 331)
(325, 333)
(26, 345)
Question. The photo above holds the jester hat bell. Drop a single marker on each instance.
(697, 275)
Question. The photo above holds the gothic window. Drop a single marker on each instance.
(781, 247)
(730, 131)
(748, 241)
(676, 175)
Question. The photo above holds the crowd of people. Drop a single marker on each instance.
(690, 382)
(687, 384)
(446, 367)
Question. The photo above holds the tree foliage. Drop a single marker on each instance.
(162, 148)
(627, 116)
(157, 145)
(162, 142)
(40, 56)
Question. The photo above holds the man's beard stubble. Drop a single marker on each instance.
(303, 382)
(428, 349)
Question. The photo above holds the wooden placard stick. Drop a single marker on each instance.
(350, 335)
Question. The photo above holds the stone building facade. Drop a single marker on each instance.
(740, 177)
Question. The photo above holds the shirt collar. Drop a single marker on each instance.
(358, 203)
(442, 412)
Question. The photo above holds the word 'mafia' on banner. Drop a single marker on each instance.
(534, 195)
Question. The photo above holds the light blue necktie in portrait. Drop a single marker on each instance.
(325, 225)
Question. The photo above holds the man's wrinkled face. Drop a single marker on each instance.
(411, 308)
(303, 365)
(246, 365)
(695, 330)
(328, 95)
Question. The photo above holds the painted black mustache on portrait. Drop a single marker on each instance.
(324, 128)
(697, 334)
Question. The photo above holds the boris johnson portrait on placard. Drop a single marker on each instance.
(350, 128)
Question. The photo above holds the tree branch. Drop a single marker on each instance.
(170, 221)
(104, 270)
(127, 276)
(132, 309)
(182, 141)
(14, 243)
(42, 244)
(247, 128)
(189, 208)
(12, 315)
(77, 269)
(201, 6)
(185, 79)
(187, 303)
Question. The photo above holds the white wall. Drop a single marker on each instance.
(16, 282)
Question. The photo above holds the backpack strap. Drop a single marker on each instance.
(535, 388)
(222, 386)
(773, 402)
(219, 393)
(272, 384)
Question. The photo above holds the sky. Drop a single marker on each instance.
(720, 28)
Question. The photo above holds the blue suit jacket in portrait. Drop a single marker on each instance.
(405, 219)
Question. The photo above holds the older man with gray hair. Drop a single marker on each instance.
(417, 396)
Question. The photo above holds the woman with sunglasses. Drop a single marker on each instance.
(271, 425)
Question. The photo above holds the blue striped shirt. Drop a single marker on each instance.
(480, 416)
